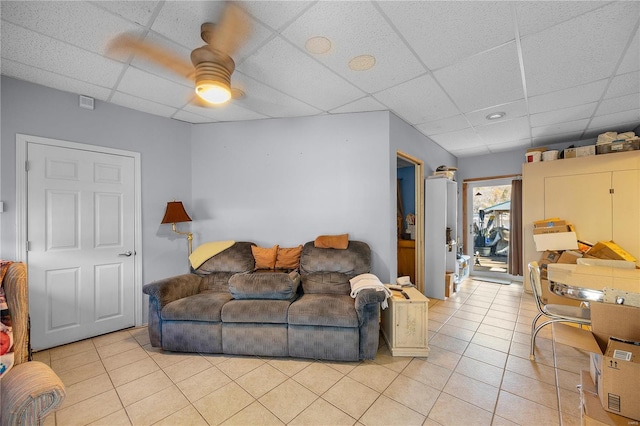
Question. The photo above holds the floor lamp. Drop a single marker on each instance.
(176, 213)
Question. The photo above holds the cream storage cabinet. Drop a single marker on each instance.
(599, 195)
(404, 323)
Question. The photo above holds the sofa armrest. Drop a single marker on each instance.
(29, 392)
(367, 305)
(169, 289)
(367, 297)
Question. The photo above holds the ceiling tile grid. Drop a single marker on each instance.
(442, 67)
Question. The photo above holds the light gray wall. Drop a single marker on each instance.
(163, 145)
(286, 181)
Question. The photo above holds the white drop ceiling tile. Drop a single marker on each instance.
(513, 110)
(135, 11)
(483, 80)
(565, 114)
(268, 101)
(181, 20)
(298, 75)
(534, 16)
(78, 23)
(631, 60)
(566, 98)
(558, 138)
(418, 101)
(460, 139)
(555, 59)
(623, 85)
(576, 126)
(227, 112)
(445, 32)
(616, 122)
(354, 29)
(144, 85)
(621, 104)
(509, 146)
(367, 103)
(471, 151)
(276, 14)
(45, 78)
(505, 131)
(190, 117)
(30, 48)
(144, 105)
(446, 125)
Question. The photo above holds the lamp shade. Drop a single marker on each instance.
(175, 213)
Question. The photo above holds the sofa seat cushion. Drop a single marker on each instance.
(326, 283)
(265, 285)
(331, 310)
(256, 311)
(200, 307)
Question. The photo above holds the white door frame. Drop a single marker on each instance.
(22, 142)
(471, 187)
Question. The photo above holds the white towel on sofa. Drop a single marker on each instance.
(369, 281)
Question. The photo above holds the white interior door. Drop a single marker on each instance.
(80, 227)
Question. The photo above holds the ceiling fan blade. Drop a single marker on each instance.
(231, 31)
(126, 44)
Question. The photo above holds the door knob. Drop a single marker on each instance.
(126, 253)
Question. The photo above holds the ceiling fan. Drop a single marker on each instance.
(212, 64)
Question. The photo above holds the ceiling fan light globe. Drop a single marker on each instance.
(214, 93)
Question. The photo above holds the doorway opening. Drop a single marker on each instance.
(487, 211)
(410, 218)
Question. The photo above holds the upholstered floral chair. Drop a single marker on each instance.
(29, 390)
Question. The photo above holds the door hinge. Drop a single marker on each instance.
(611, 190)
(28, 245)
(26, 166)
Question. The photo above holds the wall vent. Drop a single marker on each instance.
(86, 102)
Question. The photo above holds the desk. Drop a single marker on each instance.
(587, 282)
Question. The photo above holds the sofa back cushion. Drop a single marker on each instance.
(326, 270)
(237, 258)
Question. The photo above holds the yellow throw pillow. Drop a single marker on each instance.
(332, 241)
(265, 257)
(288, 258)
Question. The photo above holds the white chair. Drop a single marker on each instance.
(555, 313)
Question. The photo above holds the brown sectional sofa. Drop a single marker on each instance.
(224, 306)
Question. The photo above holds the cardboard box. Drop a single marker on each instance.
(569, 257)
(449, 284)
(581, 151)
(615, 374)
(609, 250)
(550, 229)
(557, 241)
(591, 411)
(545, 223)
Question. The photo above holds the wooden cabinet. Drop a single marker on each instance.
(407, 259)
(599, 195)
(440, 230)
(404, 324)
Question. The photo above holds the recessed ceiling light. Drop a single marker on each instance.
(318, 45)
(362, 63)
(496, 115)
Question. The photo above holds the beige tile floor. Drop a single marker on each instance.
(478, 373)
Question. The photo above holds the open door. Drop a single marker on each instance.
(410, 217)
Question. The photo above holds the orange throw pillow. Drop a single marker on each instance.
(265, 257)
(332, 241)
(288, 258)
